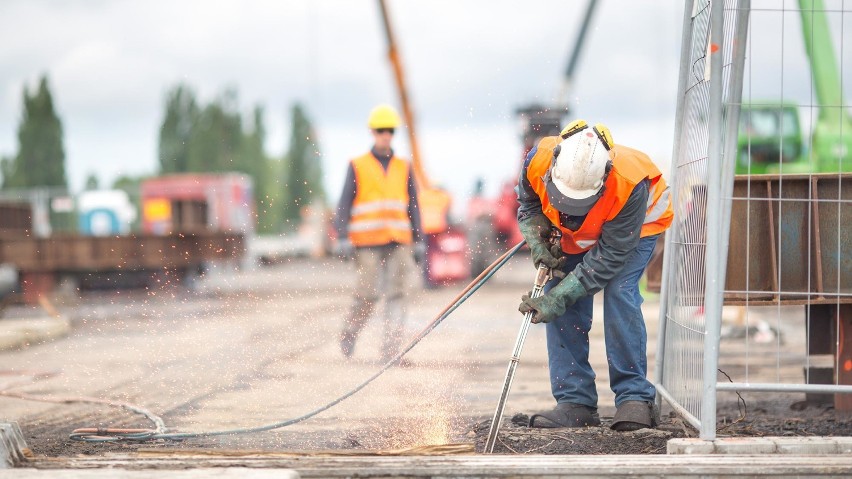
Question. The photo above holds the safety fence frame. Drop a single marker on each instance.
(695, 282)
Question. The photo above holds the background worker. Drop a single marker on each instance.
(611, 204)
(378, 221)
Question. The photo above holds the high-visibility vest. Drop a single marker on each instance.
(434, 206)
(630, 167)
(380, 209)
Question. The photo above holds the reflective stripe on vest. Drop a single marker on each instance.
(380, 205)
(630, 167)
(380, 208)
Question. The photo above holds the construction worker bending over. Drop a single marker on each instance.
(610, 203)
(378, 221)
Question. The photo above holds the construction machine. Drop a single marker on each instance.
(493, 222)
(771, 140)
(446, 244)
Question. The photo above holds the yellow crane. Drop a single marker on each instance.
(446, 247)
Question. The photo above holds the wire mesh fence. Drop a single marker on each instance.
(706, 60)
(773, 244)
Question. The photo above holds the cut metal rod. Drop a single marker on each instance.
(541, 277)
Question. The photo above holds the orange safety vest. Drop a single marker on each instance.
(434, 205)
(630, 167)
(380, 208)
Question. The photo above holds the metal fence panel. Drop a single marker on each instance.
(699, 136)
(774, 243)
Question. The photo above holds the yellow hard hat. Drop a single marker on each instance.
(383, 116)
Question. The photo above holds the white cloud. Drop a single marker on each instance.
(469, 66)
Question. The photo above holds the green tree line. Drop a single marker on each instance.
(40, 160)
(215, 138)
(193, 137)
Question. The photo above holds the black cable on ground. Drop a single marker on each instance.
(140, 435)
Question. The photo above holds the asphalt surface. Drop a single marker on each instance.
(247, 348)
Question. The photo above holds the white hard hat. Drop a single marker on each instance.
(581, 163)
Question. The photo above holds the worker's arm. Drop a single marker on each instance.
(618, 240)
(344, 206)
(530, 203)
(414, 209)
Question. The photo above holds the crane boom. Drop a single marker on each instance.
(575, 56)
(407, 113)
(434, 202)
(832, 136)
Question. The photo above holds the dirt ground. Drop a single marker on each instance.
(245, 348)
(762, 418)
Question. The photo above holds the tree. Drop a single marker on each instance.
(92, 182)
(6, 170)
(303, 177)
(260, 167)
(214, 138)
(215, 142)
(176, 130)
(132, 186)
(41, 155)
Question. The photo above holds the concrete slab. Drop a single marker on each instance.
(19, 332)
(689, 445)
(654, 465)
(224, 473)
(798, 445)
(844, 445)
(805, 445)
(744, 445)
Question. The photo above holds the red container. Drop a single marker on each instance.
(198, 202)
(446, 257)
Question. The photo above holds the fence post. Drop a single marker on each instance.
(668, 250)
(712, 288)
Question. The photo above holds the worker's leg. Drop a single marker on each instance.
(572, 379)
(624, 329)
(398, 264)
(367, 264)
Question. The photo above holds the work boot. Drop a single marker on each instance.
(347, 343)
(566, 415)
(634, 415)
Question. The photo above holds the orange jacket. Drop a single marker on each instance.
(630, 167)
(380, 207)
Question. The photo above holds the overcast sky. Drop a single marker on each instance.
(470, 64)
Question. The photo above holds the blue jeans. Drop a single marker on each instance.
(571, 376)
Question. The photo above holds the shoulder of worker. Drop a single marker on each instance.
(543, 149)
(633, 164)
(367, 154)
(627, 152)
(549, 142)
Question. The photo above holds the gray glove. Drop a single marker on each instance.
(555, 302)
(345, 250)
(419, 252)
(536, 230)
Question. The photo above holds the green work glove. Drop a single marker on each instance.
(553, 304)
(536, 230)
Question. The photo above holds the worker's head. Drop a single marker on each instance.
(580, 166)
(383, 122)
